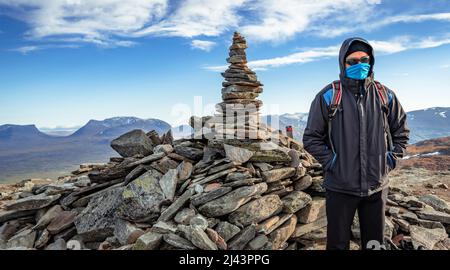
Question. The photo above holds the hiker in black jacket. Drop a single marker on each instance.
(357, 130)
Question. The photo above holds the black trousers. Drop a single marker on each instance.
(341, 209)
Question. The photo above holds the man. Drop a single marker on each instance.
(358, 144)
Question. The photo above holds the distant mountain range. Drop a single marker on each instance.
(26, 151)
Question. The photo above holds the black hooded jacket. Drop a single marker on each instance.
(360, 166)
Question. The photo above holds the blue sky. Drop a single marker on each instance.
(65, 62)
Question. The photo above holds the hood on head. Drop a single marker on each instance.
(343, 51)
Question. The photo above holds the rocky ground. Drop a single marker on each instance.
(201, 194)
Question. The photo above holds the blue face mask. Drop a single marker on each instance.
(358, 72)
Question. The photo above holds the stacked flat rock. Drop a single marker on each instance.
(238, 114)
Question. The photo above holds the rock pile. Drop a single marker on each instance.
(200, 193)
(238, 115)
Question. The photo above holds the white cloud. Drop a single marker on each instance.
(26, 49)
(197, 17)
(90, 20)
(107, 23)
(204, 45)
(445, 66)
(381, 47)
(278, 20)
(333, 31)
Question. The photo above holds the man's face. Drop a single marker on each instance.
(356, 55)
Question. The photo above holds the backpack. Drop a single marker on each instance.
(334, 106)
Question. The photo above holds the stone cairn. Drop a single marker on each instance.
(200, 193)
(238, 115)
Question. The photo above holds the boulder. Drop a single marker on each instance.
(142, 198)
(98, 219)
(133, 143)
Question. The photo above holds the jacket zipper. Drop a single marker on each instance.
(360, 121)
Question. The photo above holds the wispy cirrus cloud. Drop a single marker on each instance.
(333, 31)
(381, 47)
(113, 23)
(28, 49)
(194, 18)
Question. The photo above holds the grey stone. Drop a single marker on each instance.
(61, 222)
(237, 176)
(237, 154)
(59, 244)
(239, 241)
(171, 211)
(184, 170)
(142, 198)
(295, 201)
(263, 166)
(148, 241)
(199, 221)
(14, 214)
(283, 233)
(277, 174)
(33, 202)
(426, 237)
(227, 230)
(434, 201)
(163, 148)
(434, 216)
(51, 214)
(8, 229)
(25, 239)
(43, 239)
(133, 143)
(303, 183)
(189, 152)
(164, 227)
(232, 201)
(184, 216)
(258, 242)
(198, 237)
(209, 196)
(126, 233)
(313, 211)
(168, 184)
(303, 229)
(164, 165)
(178, 242)
(97, 221)
(256, 210)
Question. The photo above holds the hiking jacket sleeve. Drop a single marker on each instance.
(398, 126)
(315, 135)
